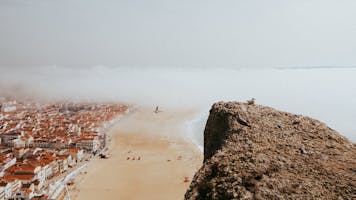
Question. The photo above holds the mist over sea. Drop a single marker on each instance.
(327, 94)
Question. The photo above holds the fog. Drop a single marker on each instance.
(185, 54)
(328, 94)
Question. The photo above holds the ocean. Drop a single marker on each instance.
(326, 94)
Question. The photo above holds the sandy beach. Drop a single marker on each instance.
(150, 159)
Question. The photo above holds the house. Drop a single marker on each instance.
(48, 163)
(5, 190)
(8, 187)
(19, 152)
(22, 195)
(18, 143)
(91, 144)
(40, 197)
(63, 162)
(27, 191)
(8, 137)
(6, 161)
(15, 186)
(8, 108)
(77, 154)
(26, 172)
(28, 140)
(42, 143)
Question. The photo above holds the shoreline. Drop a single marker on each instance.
(150, 158)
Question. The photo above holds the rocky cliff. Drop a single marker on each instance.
(257, 152)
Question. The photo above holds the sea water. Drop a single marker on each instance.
(326, 94)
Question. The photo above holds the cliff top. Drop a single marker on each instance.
(257, 152)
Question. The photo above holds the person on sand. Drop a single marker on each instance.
(157, 109)
(186, 179)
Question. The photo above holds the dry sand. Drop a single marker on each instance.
(150, 160)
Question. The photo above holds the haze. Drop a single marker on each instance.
(326, 94)
(184, 33)
(185, 54)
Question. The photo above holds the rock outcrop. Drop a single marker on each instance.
(257, 152)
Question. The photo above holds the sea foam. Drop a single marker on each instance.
(194, 129)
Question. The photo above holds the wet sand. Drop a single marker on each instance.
(150, 159)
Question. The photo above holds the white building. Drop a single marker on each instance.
(8, 138)
(18, 143)
(8, 189)
(6, 163)
(5, 190)
(8, 108)
(77, 154)
(89, 144)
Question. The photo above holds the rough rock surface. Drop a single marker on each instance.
(257, 152)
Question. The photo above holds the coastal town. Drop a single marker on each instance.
(43, 145)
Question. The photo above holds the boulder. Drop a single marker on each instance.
(257, 152)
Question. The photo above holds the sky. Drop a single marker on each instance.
(177, 33)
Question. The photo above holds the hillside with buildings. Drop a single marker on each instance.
(41, 144)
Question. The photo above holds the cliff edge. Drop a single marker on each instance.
(256, 152)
